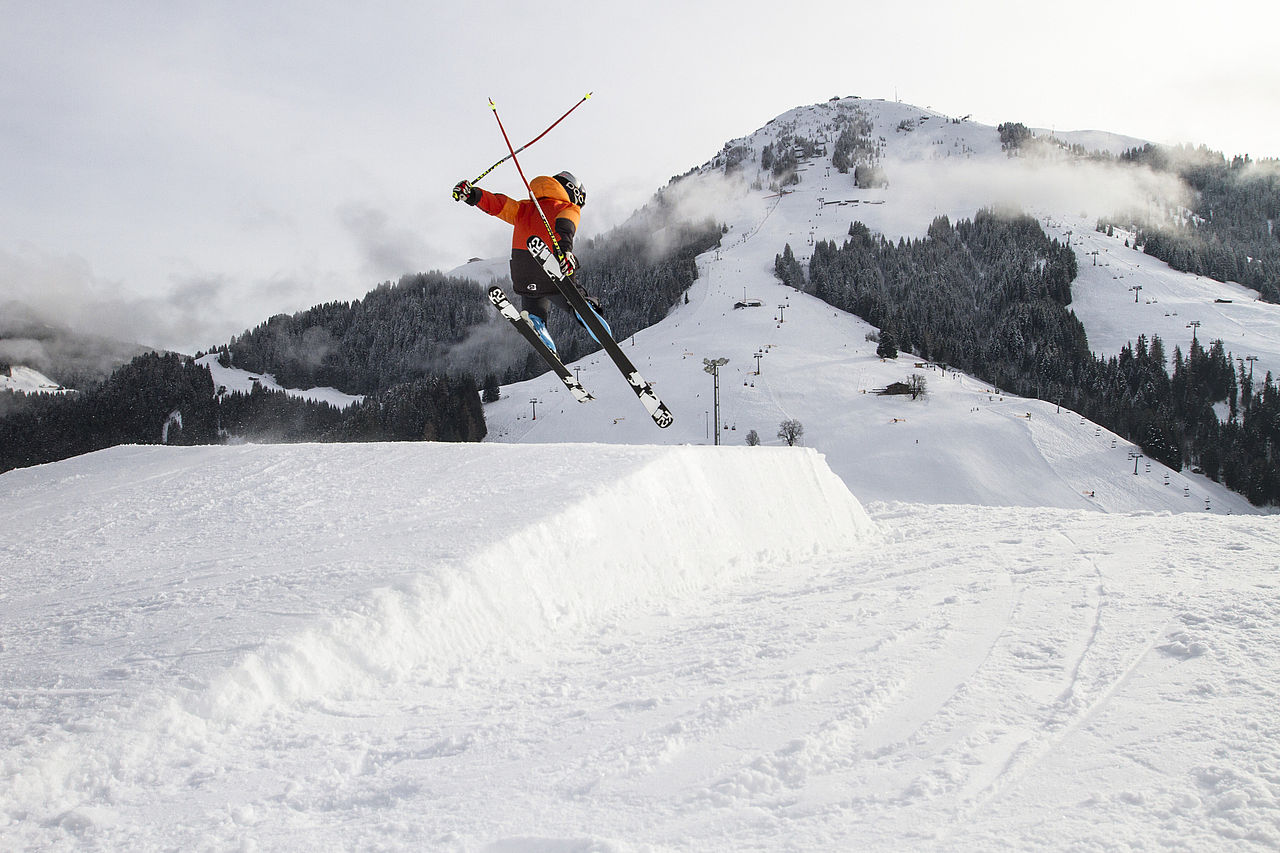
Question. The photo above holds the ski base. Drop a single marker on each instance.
(499, 299)
(600, 331)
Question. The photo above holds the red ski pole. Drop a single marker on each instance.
(516, 151)
(555, 244)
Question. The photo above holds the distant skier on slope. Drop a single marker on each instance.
(561, 199)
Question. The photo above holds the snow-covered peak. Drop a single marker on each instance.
(965, 441)
(910, 132)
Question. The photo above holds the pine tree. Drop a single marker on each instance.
(492, 392)
(888, 346)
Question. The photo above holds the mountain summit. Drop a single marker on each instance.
(780, 191)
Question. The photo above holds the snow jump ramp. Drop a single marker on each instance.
(482, 549)
(196, 589)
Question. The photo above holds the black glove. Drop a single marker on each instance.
(463, 191)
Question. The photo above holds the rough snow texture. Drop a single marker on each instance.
(162, 605)
(401, 647)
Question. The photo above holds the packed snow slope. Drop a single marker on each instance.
(158, 603)
(28, 381)
(964, 441)
(572, 647)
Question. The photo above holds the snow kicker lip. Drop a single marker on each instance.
(628, 542)
(421, 600)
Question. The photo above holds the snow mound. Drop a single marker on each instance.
(232, 583)
(680, 520)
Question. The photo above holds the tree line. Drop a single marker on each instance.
(397, 333)
(413, 329)
(169, 399)
(1229, 231)
(990, 296)
(399, 347)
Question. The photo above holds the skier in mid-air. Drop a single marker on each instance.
(543, 273)
(561, 198)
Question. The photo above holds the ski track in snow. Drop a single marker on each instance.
(962, 678)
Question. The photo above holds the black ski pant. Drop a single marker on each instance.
(541, 305)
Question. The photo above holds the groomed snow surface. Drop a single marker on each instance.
(584, 647)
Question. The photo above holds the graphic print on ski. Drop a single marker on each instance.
(506, 309)
(657, 409)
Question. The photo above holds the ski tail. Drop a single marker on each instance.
(600, 331)
(499, 299)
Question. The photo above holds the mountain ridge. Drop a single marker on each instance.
(926, 165)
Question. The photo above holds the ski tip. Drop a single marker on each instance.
(492, 105)
(587, 96)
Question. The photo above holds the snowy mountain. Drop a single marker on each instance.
(964, 442)
(968, 621)
(63, 356)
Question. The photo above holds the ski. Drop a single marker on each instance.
(499, 299)
(600, 331)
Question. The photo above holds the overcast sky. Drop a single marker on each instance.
(172, 172)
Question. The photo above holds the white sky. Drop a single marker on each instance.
(172, 172)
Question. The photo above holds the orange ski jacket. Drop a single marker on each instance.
(527, 276)
(563, 214)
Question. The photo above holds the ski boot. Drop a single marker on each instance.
(595, 307)
(540, 326)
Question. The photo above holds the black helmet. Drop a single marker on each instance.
(577, 192)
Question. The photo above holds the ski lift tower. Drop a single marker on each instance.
(713, 366)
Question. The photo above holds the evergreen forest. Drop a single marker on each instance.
(169, 399)
(1228, 231)
(412, 349)
(991, 296)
